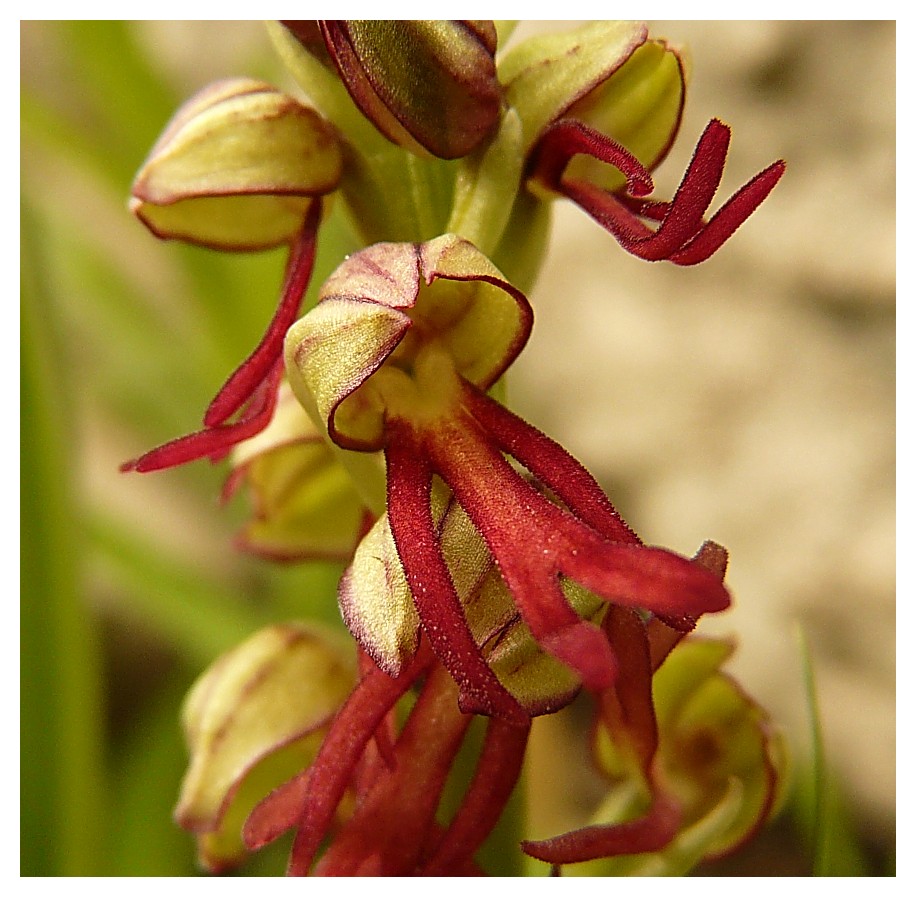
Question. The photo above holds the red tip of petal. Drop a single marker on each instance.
(651, 832)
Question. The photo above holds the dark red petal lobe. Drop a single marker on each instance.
(311, 798)
(391, 826)
(683, 237)
(437, 602)
(246, 378)
(215, 442)
(551, 464)
(648, 833)
(535, 541)
(497, 772)
(684, 217)
(730, 217)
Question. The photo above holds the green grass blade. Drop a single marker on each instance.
(835, 849)
(62, 780)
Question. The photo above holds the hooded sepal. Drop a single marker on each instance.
(367, 308)
(237, 168)
(254, 719)
(428, 86)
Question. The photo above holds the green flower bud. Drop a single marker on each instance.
(236, 168)
(428, 86)
(252, 721)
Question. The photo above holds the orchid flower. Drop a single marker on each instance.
(601, 107)
(253, 719)
(397, 356)
(695, 763)
(240, 167)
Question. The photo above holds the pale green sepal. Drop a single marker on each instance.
(267, 696)
(686, 669)
(538, 681)
(332, 351)
(712, 733)
(231, 223)
(484, 320)
(236, 168)
(722, 736)
(545, 75)
(376, 601)
(222, 850)
(305, 504)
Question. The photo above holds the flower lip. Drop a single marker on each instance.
(379, 313)
(683, 236)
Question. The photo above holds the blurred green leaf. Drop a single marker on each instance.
(198, 616)
(150, 763)
(63, 784)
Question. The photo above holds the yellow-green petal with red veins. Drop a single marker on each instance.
(304, 503)
(252, 720)
(237, 168)
(545, 75)
(428, 86)
(384, 317)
